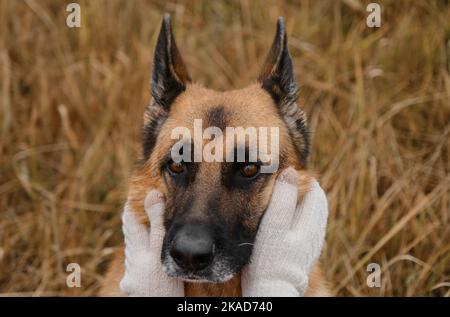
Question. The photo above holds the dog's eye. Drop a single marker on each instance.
(175, 168)
(249, 170)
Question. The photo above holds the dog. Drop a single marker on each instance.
(213, 209)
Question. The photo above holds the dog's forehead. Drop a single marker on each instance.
(248, 107)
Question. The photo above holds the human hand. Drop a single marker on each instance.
(289, 240)
(143, 270)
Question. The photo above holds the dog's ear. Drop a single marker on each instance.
(169, 75)
(169, 79)
(278, 79)
(277, 75)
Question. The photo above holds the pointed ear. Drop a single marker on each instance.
(277, 75)
(169, 79)
(169, 75)
(277, 78)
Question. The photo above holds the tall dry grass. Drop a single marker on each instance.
(378, 102)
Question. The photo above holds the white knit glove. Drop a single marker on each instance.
(288, 242)
(143, 270)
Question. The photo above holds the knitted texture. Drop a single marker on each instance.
(144, 275)
(289, 240)
(288, 243)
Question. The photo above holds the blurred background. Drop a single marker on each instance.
(377, 99)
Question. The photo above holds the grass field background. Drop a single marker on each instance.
(378, 103)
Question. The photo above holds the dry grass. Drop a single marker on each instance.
(378, 101)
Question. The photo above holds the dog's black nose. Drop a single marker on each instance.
(193, 247)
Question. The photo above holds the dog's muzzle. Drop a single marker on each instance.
(201, 251)
(192, 247)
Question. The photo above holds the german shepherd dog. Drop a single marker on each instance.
(220, 204)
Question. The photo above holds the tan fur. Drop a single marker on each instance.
(249, 107)
(193, 104)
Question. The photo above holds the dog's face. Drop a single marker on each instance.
(213, 209)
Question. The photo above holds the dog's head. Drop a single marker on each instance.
(214, 208)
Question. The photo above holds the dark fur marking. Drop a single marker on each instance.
(150, 133)
(305, 134)
(216, 117)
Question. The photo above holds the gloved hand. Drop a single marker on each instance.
(288, 242)
(143, 270)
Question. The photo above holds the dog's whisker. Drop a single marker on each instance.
(244, 244)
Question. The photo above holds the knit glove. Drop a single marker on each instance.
(288, 242)
(143, 270)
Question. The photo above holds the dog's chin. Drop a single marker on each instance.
(219, 272)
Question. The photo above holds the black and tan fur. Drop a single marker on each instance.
(210, 192)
